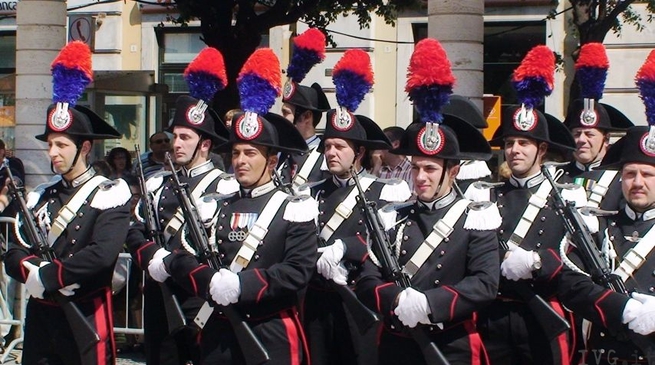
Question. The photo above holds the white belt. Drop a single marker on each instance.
(344, 209)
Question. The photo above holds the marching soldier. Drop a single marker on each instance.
(266, 236)
(196, 130)
(627, 247)
(531, 230)
(341, 228)
(591, 123)
(304, 107)
(85, 218)
(446, 244)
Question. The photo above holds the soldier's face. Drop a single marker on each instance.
(339, 156)
(428, 173)
(638, 185)
(61, 150)
(590, 144)
(185, 141)
(523, 156)
(289, 112)
(252, 167)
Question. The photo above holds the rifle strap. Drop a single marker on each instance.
(69, 211)
(599, 189)
(306, 169)
(636, 256)
(258, 231)
(537, 201)
(440, 232)
(345, 208)
(177, 221)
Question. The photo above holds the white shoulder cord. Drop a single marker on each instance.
(44, 222)
(396, 245)
(212, 237)
(563, 247)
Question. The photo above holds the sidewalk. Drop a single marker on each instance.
(134, 358)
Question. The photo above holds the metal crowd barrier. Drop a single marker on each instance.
(132, 319)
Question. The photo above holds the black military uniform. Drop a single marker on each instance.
(460, 272)
(179, 347)
(333, 339)
(272, 275)
(86, 242)
(625, 246)
(510, 330)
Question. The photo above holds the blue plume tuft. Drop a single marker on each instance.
(68, 84)
(203, 85)
(428, 100)
(592, 82)
(301, 62)
(531, 91)
(257, 94)
(351, 88)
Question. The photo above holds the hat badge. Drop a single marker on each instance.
(289, 90)
(196, 114)
(342, 120)
(249, 126)
(588, 117)
(647, 143)
(60, 118)
(430, 139)
(525, 119)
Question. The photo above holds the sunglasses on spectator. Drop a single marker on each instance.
(158, 141)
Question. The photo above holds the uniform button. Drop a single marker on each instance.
(405, 238)
(163, 197)
(219, 241)
(611, 238)
(446, 239)
(86, 202)
(80, 214)
(500, 194)
(409, 224)
(543, 219)
(437, 282)
(359, 221)
(166, 187)
(54, 191)
(322, 224)
(538, 244)
(222, 215)
(247, 315)
(225, 204)
(322, 191)
(501, 231)
(220, 228)
(500, 205)
(541, 231)
(412, 211)
(161, 209)
(77, 227)
(161, 221)
(613, 224)
(256, 257)
(403, 252)
(439, 266)
(322, 201)
(442, 253)
(52, 201)
(602, 334)
(392, 327)
(651, 289)
(261, 243)
(222, 255)
(320, 213)
(73, 241)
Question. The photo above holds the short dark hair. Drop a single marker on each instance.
(395, 133)
(2, 145)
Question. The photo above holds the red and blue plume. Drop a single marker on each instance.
(309, 49)
(353, 78)
(206, 74)
(259, 81)
(71, 73)
(591, 70)
(534, 78)
(429, 79)
(646, 83)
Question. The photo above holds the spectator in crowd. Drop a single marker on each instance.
(155, 160)
(120, 161)
(386, 165)
(103, 168)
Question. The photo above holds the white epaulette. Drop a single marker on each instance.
(388, 218)
(579, 196)
(227, 184)
(154, 182)
(301, 208)
(33, 196)
(111, 194)
(473, 170)
(477, 194)
(482, 216)
(395, 190)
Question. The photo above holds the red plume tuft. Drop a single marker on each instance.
(429, 65)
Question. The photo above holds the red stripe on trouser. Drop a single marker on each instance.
(103, 324)
(562, 338)
(475, 342)
(293, 336)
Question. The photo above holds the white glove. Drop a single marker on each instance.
(225, 287)
(631, 310)
(156, 267)
(517, 264)
(644, 322)
(34, 284)
(69, 290)
(412, 308)
(328, 264)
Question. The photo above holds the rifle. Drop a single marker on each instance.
(174, 315)
(363, 317)
(85, 335)
(597, 267)
(392, 271)
(253, 350)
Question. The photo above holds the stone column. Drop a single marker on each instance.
(459, 26)
(40, 34)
